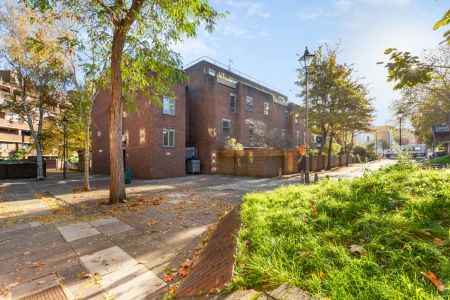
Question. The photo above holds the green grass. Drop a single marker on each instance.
(440, 160)
(302, 235)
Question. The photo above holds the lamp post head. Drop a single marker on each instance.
(64, 121)
(307, 58)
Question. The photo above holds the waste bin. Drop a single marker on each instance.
(127, 173)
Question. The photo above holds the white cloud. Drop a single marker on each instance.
(313, 13)
(194, 48)
(252, 9)
(237, 31)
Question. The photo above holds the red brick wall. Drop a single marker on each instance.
(209, 104)
(143, 127)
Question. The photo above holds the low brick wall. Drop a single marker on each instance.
(254, 163)
(320, 162)
(13, 169)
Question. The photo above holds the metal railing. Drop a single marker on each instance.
(230, 69)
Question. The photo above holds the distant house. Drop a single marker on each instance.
(441, 134)
(381, 136)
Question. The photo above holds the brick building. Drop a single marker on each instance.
(14, 132)
(153, 140)
(223, 103)
(214, 104)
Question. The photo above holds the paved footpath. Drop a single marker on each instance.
(55, 236)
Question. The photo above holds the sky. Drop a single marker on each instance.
(262, 38)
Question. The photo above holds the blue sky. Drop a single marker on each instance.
(262, 38)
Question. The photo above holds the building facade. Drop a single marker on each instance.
(222, 104)
(14, 132)
(214, 104)
(153, 136)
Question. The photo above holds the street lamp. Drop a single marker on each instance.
(305, 62)
(64, 124)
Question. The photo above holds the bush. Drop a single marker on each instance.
(369, 238)
(442, 160)
(231, 144)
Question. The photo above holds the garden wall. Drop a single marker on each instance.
(268, 163)
(13, 169)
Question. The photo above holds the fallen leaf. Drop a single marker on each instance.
(168, 278)
(314, 211)
(304, 251)
(183, 272)
(438, 241)
(37, 264)
(433, 278)
(187, 263)
(357, 248)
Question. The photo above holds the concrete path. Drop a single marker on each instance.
(53, 234)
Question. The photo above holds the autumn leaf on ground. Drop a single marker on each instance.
(168, 278)
(438, 241)
(357, 248)
(37, 264)
(182, 272)
(433, 278)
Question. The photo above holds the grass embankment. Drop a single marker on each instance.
(369, 238)
(440, 160)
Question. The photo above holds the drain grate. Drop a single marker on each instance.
(54, 293)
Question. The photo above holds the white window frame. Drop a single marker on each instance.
(169, 106)
(266, 108)
(226, 129)
(168, 131)
(233, 96)
(249, 103)
(287, 116)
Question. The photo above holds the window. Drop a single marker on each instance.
(283, 133)
(286, 116)
(251, 133)
(211, 72)
(12, 117)
(249, 103)
(168, 106)
(368, 138)
(168, 138)
(266, 108)
(233, 103)
(297, 116)
(226, 126)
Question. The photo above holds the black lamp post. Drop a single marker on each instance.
(305, 62)
(64, 124)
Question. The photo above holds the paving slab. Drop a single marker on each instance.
(110, 226)
(77, 231)
(134, 282)
(35, 286)
(107, 261)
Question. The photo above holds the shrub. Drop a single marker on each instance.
(231, 144)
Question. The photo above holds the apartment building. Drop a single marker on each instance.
(214, 104)
(153, 136)
(224, 103)
(14, 132)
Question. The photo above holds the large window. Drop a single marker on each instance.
(251, 134)
(233, 103)
(286, 116)
(266, 108)
(226, 126)
(249, 103)
(168, 137)
(168, 106)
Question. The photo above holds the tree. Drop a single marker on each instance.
(39, 70)
(338, 105)
(268, 137)
(135, 37)
(231, 144)
(428, 103)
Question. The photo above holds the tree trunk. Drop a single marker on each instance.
(330, 145)
(87, 156)
(349, 149)
(117, 186)
(39, 162)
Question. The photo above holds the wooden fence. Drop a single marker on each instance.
(268, 163)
